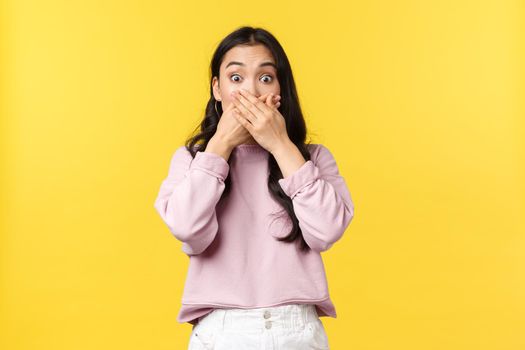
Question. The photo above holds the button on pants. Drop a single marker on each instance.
(284, 327)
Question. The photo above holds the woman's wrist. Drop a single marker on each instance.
(219, 146)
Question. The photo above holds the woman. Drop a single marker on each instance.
(254, 206)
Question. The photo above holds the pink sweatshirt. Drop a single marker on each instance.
(235, 261)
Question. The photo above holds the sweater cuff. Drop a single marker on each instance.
(299, 179)
(211, 163)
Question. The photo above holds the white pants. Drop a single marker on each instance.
(285, 327)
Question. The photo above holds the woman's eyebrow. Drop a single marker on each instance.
(268, 63)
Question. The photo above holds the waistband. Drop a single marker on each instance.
(291, 316)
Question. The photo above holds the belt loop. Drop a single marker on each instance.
(301, 315)
(288, 315)
(306, 313)
(313, 309)
(223, 321)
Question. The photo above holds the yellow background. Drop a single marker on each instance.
(421, 103)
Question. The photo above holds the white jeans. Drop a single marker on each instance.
(285, 327)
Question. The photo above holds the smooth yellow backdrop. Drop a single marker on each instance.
(421, 102)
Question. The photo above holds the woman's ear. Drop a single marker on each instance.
(216, 89)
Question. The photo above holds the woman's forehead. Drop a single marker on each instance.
(246, 56)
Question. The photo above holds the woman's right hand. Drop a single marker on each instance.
(231, 131)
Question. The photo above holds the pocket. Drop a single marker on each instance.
(201, 338)
(316, 337)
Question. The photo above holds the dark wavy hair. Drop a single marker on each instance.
(289, 108)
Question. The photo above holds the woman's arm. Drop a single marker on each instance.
(321, 199)
(187, 197)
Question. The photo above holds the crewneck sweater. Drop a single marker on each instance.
(235, 260)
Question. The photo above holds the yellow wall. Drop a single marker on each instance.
(421, 102)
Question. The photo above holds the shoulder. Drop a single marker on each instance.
(323, 158)
(182, 155)
(183, 150)
(318, 152)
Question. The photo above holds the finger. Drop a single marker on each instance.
(273, 101)
(252, 103)
(245, 112)
(269, 100)
(264, 97)
(249, 106)
(274, 98)
(243, 121)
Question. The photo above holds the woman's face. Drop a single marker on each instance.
(248, 67)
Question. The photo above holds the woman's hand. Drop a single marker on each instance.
(231, 131)
(263, 121)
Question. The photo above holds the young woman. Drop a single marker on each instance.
(254, 206)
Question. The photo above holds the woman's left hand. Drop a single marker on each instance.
(264, 122)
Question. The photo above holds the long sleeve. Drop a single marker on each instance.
(321, 199)
(187, 198)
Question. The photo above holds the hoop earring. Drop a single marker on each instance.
(216, 108)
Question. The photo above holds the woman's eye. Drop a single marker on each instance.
(269, 76)
(231, 76)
